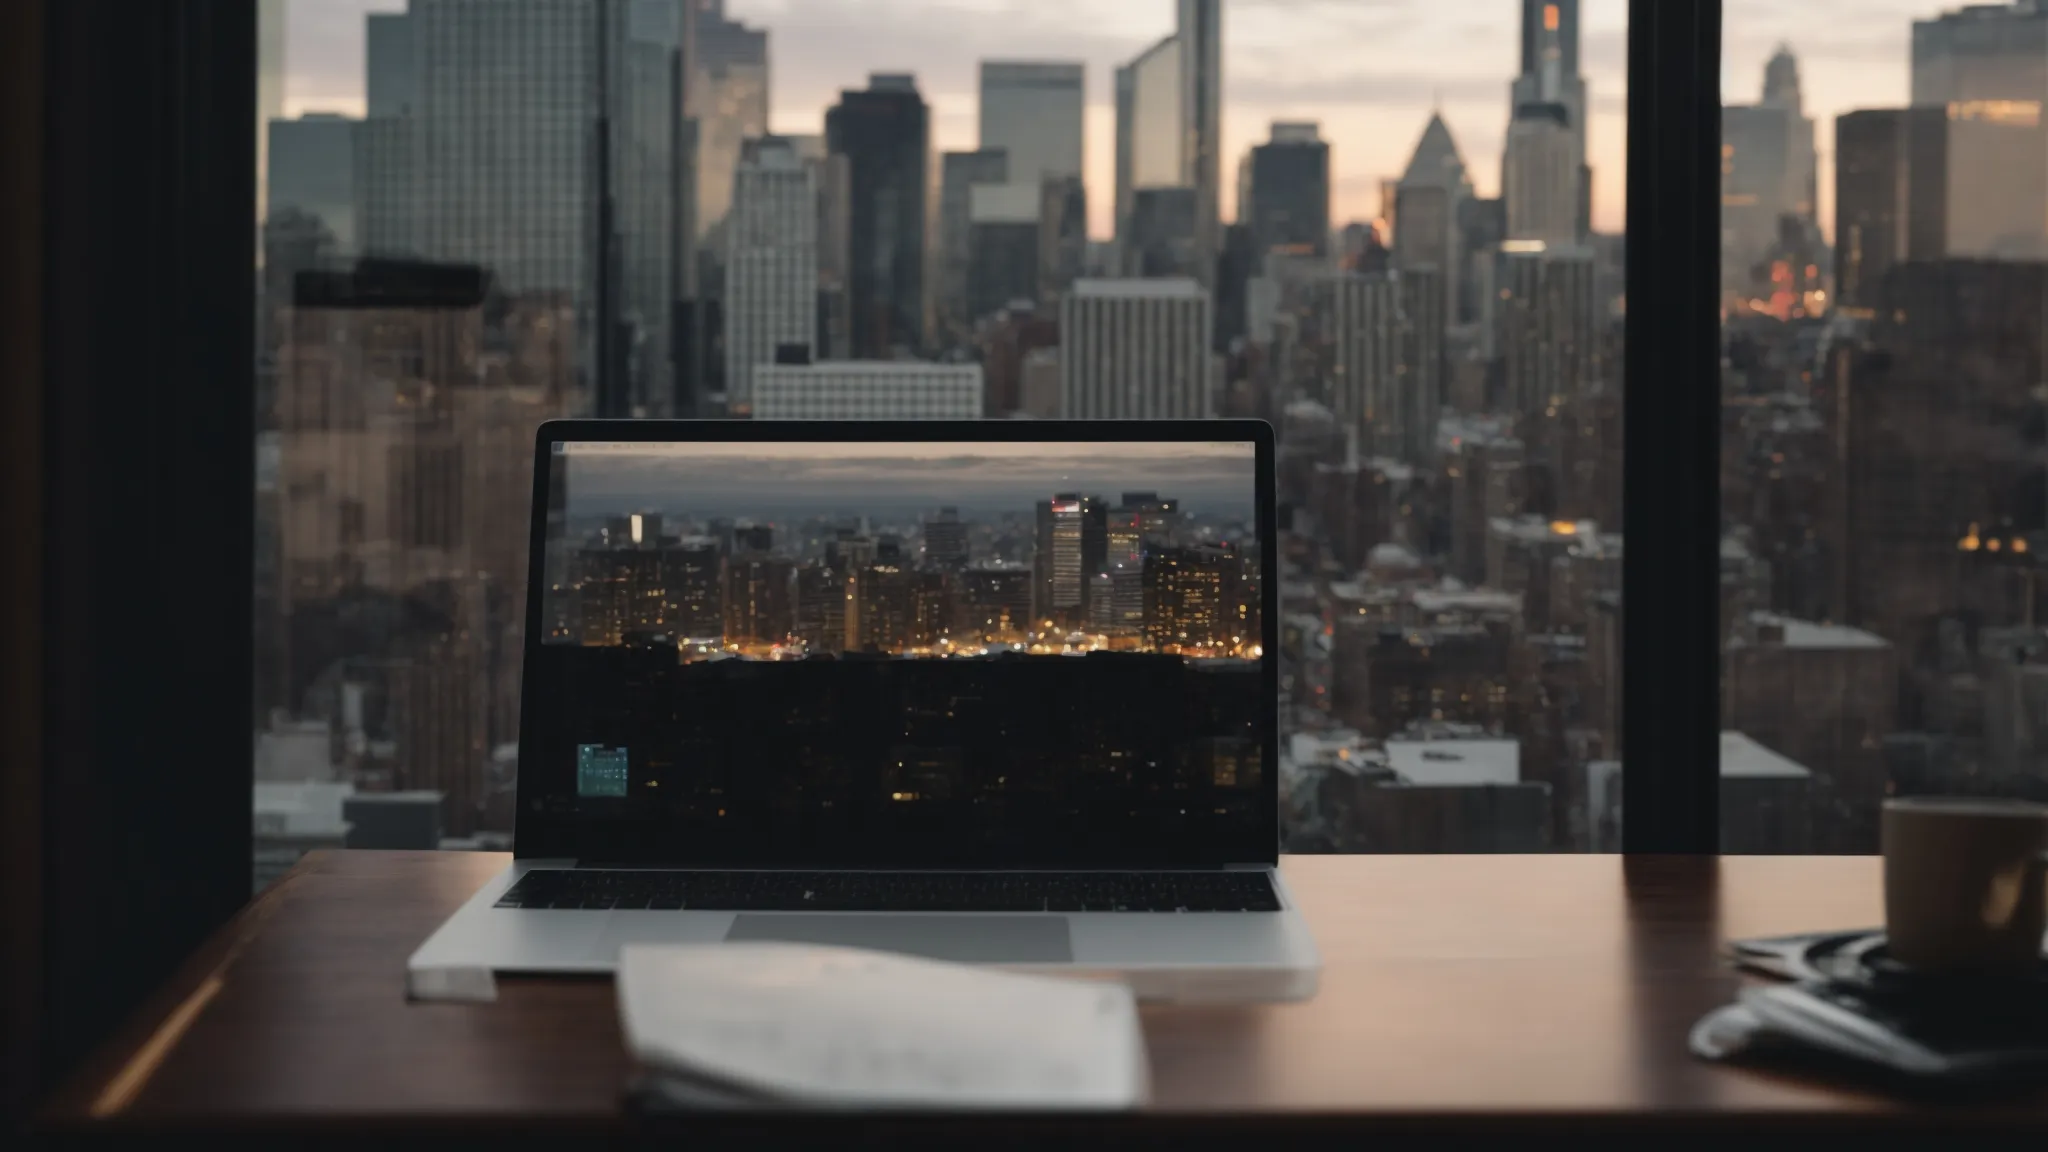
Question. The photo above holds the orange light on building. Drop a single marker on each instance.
(1550, 17)
(1993, 544)
(1971, 542)
(1564, 528)
(2019, 544)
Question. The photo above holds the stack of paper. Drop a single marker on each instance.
(837, 1027)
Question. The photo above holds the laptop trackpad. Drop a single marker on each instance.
(967, 939)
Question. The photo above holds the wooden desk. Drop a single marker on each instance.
(1463, 990)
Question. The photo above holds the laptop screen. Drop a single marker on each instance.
(915, 654)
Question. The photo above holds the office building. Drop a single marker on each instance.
(385, 179)
(832, 177)
(945, 541)
(1826, 696)
(821, 607)
(867, 390)
(532, 72)
(1062, 236)
(1038, 393)
(1425, 310)
(1550, 79)
(1031, 111)
(760, 608)
(729, 81)
(1981, 52)
(881, 608)
(1870, 201)
(1136, 349)
(1002, 248)
(995, 602)
(1199, 37)
(1977, 181)
(1148, 133)
(1287, 198)
(771, 296)
(312, 171)
(1428, 206)
(1362, 321)
(1160, 240)
(1767, 175)
(959, 173)
(1070, 548)
(1185, 594)
(1546, 324)
(390, 81)
(884, 132)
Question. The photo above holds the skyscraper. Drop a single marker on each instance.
(1870, 201)
(490, 73)
(1429, 203)
(730, 96)
(1767, 172)
(1360, 316)
(1159, 238)
(771, 296)
(945, 541)
(1550, 76)
(1136, 349)
(386, 191)
(1981, 52)
(1072, 545)
(1289, 193)
(1031, 110)
(959, 172)
(1148, 136)
(884, 132)
(1200, 38)
(1546, 321)
(390, 81)
(312, 170)
(1986, 65)
(1002, 247)
(1540, 169)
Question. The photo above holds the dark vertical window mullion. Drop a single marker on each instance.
(1671, 497)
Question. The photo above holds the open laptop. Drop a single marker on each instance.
(995, 692)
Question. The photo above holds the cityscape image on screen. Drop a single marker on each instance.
(912, 653)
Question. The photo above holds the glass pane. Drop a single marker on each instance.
(479, 215)
(1885, 293)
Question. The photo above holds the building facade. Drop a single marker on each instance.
(1136, 349)
(867, 390)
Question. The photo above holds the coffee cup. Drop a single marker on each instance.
(1965, 884)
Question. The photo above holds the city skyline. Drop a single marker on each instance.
(1366, 88)
(1208, 478)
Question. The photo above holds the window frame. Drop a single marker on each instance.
(144, 769)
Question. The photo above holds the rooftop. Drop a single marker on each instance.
(1159, 288)
(1807, 634)
(880, 369)
(1456, 763)
(1744, 758)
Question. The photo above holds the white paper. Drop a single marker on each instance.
(840, 1026)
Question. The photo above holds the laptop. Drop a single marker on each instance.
(997, 692)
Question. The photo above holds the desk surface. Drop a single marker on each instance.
(1544, 986)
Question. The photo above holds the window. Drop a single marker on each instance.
(1884, 303)
(1396, 236)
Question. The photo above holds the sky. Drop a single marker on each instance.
(757, 478)
(1369, 70)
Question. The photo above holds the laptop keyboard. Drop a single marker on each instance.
(894, 891)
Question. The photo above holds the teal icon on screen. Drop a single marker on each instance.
(600, 771)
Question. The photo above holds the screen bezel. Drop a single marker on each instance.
(537, 836)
